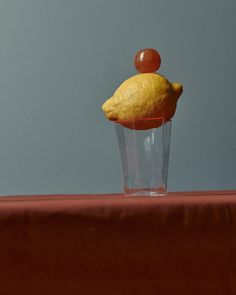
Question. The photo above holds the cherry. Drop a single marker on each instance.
(147, 60)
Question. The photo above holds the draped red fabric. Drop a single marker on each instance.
(184, 243)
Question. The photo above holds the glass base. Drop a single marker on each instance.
(159, 192)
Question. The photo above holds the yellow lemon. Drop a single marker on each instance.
(146, 95)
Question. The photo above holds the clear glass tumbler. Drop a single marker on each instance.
(144, 156)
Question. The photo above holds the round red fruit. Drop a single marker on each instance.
(147, 60)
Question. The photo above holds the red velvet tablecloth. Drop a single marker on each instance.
(184, 243)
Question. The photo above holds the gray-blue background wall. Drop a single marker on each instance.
(60, 60)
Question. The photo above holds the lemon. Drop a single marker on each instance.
(145, 95)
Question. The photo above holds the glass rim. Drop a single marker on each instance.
(164, 120)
